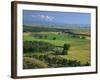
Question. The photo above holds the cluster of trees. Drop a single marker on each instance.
(40, 46)
(65, 49)
(53, 61)
(40, 36)
(37, 46)
(57, 61)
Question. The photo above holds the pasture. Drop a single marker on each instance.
(77, 55)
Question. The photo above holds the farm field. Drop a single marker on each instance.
(48, 48)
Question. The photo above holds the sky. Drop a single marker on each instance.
(56, 17)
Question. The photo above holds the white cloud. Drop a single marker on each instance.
(45, 17)
(50, 18)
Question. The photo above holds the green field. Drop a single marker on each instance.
(77, 55)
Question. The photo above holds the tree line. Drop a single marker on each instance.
(54, 61)
(40, 46)
(37, 46)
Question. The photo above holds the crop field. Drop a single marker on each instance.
(48, 48)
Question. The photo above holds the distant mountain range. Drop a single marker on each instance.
(56, 25)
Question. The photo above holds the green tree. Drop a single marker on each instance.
(54, 38)
(65, 49)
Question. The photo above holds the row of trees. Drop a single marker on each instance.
(40, 36)
(43, 36)
(37, 46)
(54, 61)
(57, 61)
(40, 46)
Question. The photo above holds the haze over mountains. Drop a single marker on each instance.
(55, 25)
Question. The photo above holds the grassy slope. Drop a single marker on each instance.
(79, 47)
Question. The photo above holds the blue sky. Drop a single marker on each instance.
(57, 17)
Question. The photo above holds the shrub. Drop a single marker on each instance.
(30, 63)
(54, 38)
(45, 36)
(87, 64)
